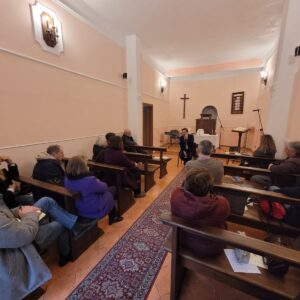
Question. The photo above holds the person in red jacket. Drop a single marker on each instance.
(195, 201)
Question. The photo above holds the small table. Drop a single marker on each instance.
(240, 131)
(214, 139)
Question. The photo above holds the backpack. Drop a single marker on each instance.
(273, 209)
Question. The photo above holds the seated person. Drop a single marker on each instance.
(187, 146)
(195, 201)
(98, 147)
(22, 269)
(214, 166)
(13, 193)
(129, 142)
(291, 165)
(267, 147)
(49, 168)
(96, 199)
(114, 155)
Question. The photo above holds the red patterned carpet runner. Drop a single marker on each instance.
(129, 269)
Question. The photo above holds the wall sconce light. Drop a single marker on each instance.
(163, 84)
(297, 51)
(264, 76)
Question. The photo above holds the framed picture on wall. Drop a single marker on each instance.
(237, 103)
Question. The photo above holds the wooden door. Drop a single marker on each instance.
(147, 124)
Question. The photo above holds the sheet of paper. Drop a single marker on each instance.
(240, 267)
(257, 260)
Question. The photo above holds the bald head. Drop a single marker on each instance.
(127, 132)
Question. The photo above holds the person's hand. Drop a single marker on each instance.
(15, 186)
(270, 165)
(5, 158)
(23, 210)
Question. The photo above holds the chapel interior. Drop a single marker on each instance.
(174, 128)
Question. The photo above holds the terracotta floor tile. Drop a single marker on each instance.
(154, 294)
(163, 280)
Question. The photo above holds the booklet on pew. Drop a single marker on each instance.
(238, 267)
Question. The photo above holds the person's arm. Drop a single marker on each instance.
(16, 234)
(13, 171)
(56, 175)
(182, 143)
(286, 167)
(97, 186)
(125, 162)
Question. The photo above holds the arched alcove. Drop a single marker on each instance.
(210, 110)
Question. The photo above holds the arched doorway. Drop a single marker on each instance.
(210, 110)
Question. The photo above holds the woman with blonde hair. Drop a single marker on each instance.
(267, 147)
(96, 199)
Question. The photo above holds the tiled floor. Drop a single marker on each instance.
(195, 287)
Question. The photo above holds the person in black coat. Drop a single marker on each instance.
(49, 168)
(187, 146)
(129, 142)
(13, 194)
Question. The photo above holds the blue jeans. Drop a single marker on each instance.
(49, 233)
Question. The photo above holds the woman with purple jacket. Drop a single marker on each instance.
(96, 199)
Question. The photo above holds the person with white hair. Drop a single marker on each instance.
(129, 142)
(291, 165)
(214, 166)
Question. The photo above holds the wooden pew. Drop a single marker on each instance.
(125, 197)
(263, 286)
(148, 169)
(253, 217)
(247, 159)
(248, 172)
(77, 244)
(161, 161)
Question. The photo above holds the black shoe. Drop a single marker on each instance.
(63, 260)
(140, 195)
(115, 220)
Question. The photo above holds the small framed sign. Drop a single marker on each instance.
(237, 103)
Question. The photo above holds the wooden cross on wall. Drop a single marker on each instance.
(184, 98)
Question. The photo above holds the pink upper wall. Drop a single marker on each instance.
(85, 50)
(151, 94)
(217, 92)
(228, 66)
(77, 98)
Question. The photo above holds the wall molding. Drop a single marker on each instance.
(51, 142)
(155, 97)
(214, 75)
(62, 68)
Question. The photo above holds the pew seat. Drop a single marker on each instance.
(263, 286)
(254, 218)
(89, 235)
(147, 168)
(160, 160)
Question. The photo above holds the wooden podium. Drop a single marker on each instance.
(240, 131)
(206, 123)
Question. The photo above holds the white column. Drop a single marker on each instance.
(286, 68)
(135, 111)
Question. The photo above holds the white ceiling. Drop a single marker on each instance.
(189, 33)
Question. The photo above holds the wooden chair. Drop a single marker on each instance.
(253, 217)
(147, 169)
(125, 197)
(89, 235)
(161, 160)
(263, 286)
